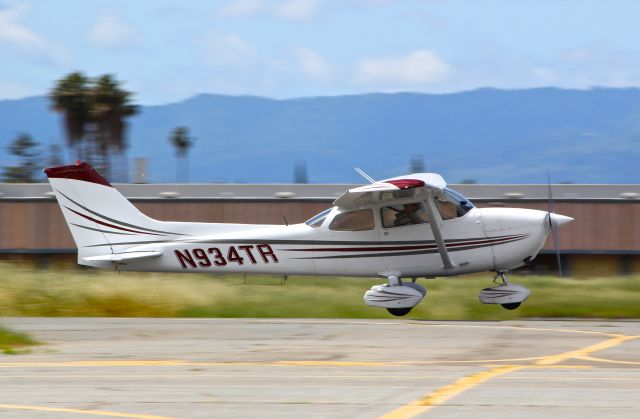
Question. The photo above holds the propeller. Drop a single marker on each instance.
(553, 226)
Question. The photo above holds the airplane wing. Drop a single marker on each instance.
(417, 184)
(124, 256)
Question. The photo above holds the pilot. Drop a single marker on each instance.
(408, 215)
(447, 209)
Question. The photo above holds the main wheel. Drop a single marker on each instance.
(511, 306)
(403, 311)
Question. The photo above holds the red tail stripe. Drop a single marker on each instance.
(107, 224)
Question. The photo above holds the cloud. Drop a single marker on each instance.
(285, 9)
(240, 8)
(24, 39)
(297, 9)
(17, 90)
(228, 51)
(312, 64)
(584, 67)
(110, 31)
(417, 68)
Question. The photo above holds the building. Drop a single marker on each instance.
(603, 240)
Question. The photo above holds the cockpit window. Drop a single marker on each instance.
(403, 214)
(318, 219)
(357, 220)
(452, 205)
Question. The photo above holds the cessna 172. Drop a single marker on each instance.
(400, 229)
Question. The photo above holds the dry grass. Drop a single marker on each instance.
(84, 292)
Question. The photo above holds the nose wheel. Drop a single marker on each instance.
(509, 296)
(503, 281)
(399, 311)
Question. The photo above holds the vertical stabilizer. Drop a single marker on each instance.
(99, 217)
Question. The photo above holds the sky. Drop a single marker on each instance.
(169, 50)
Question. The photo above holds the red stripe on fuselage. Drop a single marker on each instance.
(415, 247)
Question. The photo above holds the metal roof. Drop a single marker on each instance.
(208, 191)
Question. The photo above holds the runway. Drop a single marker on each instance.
(303, 368)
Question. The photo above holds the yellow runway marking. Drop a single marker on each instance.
(81, 411)
(607, 361)
(445, 393)
(605, 344)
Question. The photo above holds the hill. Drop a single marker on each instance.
(490, 135)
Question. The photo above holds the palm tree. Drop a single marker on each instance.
(181, 140)
(95, 112)
(109, 106)
(70, 97)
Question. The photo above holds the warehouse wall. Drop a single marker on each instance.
(604, 238)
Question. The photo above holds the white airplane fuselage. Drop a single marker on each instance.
(109, 230)
(482, 240)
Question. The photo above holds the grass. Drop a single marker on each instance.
(88, 292)
(12, 343)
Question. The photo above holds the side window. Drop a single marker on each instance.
(318, 219)
(357, 220)
(403, 214)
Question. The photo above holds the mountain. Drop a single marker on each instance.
(489, 135)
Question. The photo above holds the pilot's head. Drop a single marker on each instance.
(413, 207)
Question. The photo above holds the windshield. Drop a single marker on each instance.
(318, 219)
(462, 204)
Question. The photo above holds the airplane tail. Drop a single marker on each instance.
(100, 218)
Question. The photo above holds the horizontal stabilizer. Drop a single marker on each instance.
(123, 257)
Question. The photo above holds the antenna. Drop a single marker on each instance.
(364, 175)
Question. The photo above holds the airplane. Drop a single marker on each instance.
(401, 229)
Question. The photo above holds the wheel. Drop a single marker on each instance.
(399, 311)
(511, 306)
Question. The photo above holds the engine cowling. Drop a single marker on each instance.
(395, 296)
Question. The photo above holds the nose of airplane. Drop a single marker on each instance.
(558, 220)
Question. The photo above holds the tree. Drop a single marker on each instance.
(25, 149)
(181, 141)
(109, 106)
(70, 97)
(95, 112)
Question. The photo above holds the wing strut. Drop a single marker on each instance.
(435, 220)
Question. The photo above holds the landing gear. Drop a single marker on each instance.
(509, 296)
(400, 311)
(396, 296)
